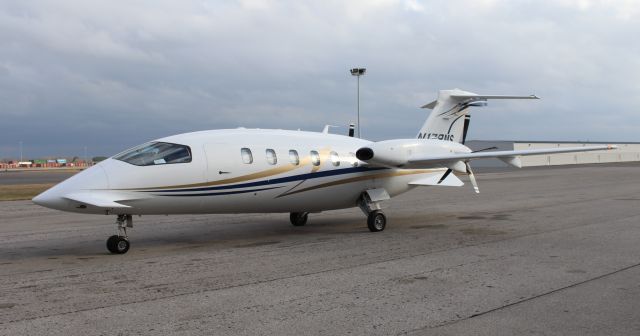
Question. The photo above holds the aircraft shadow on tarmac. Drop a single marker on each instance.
(207, 234)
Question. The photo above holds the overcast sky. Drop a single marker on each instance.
(112, 74)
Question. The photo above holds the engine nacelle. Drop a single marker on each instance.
(398, 153)
(384, 153)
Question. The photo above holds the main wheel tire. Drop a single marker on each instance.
(118, 245)
(376, 221)
(298, 218)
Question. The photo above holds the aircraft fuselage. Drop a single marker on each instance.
(234, 171)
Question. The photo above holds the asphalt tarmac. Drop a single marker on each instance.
(549, 251)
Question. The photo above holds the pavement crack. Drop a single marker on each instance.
(557, 290)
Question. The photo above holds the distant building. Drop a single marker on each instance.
(42, 163)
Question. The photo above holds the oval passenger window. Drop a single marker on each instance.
(315, 158)
(271, 157)
(335, 159)
(247, 157)
(294, 158)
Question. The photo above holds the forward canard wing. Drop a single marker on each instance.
(102, 199)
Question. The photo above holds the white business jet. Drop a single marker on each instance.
(254, 170)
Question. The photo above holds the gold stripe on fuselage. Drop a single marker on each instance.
(364, 178)
(306, 161)
(243, 178)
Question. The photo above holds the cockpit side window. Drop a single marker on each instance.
(156, 153)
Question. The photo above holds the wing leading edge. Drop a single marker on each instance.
(427, 161)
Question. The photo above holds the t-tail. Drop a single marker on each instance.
(449, 119)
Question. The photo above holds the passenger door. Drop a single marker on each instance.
(224, 161)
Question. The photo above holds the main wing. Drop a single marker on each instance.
(511, 157)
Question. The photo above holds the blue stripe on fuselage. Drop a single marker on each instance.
(223, 193)
(300, 177)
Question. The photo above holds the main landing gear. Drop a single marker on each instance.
(298, 218)
(119, 244)
(376, 220)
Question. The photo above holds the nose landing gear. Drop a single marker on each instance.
(119, 244)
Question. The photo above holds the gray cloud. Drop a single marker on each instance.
(109, 75)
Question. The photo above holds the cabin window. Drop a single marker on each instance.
(315, 158)
(156, 153)
(353, 159)
(335, 159)
(294, 158)
(271, 157)
(247, 157)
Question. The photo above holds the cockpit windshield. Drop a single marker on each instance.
(156, 153)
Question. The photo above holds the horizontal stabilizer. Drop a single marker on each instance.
(461, 96)
(444, 179)
(95, 199)
(485, 97)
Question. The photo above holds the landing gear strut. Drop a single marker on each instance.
(119, 244)
(298, 218)
(376, 220)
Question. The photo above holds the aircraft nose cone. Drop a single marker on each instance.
(50, 199)
(54, 198)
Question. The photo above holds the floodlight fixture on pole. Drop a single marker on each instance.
(358, 72)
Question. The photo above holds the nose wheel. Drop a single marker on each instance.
(119, 244)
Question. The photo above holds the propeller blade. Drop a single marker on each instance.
(484, 149)
(467, 120)
(446, 174)
(472, 177)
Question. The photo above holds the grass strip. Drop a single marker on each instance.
(17, 192)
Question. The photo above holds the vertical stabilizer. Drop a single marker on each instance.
(447, 118)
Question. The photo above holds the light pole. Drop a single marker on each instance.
(358, 72)
(20, 151)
